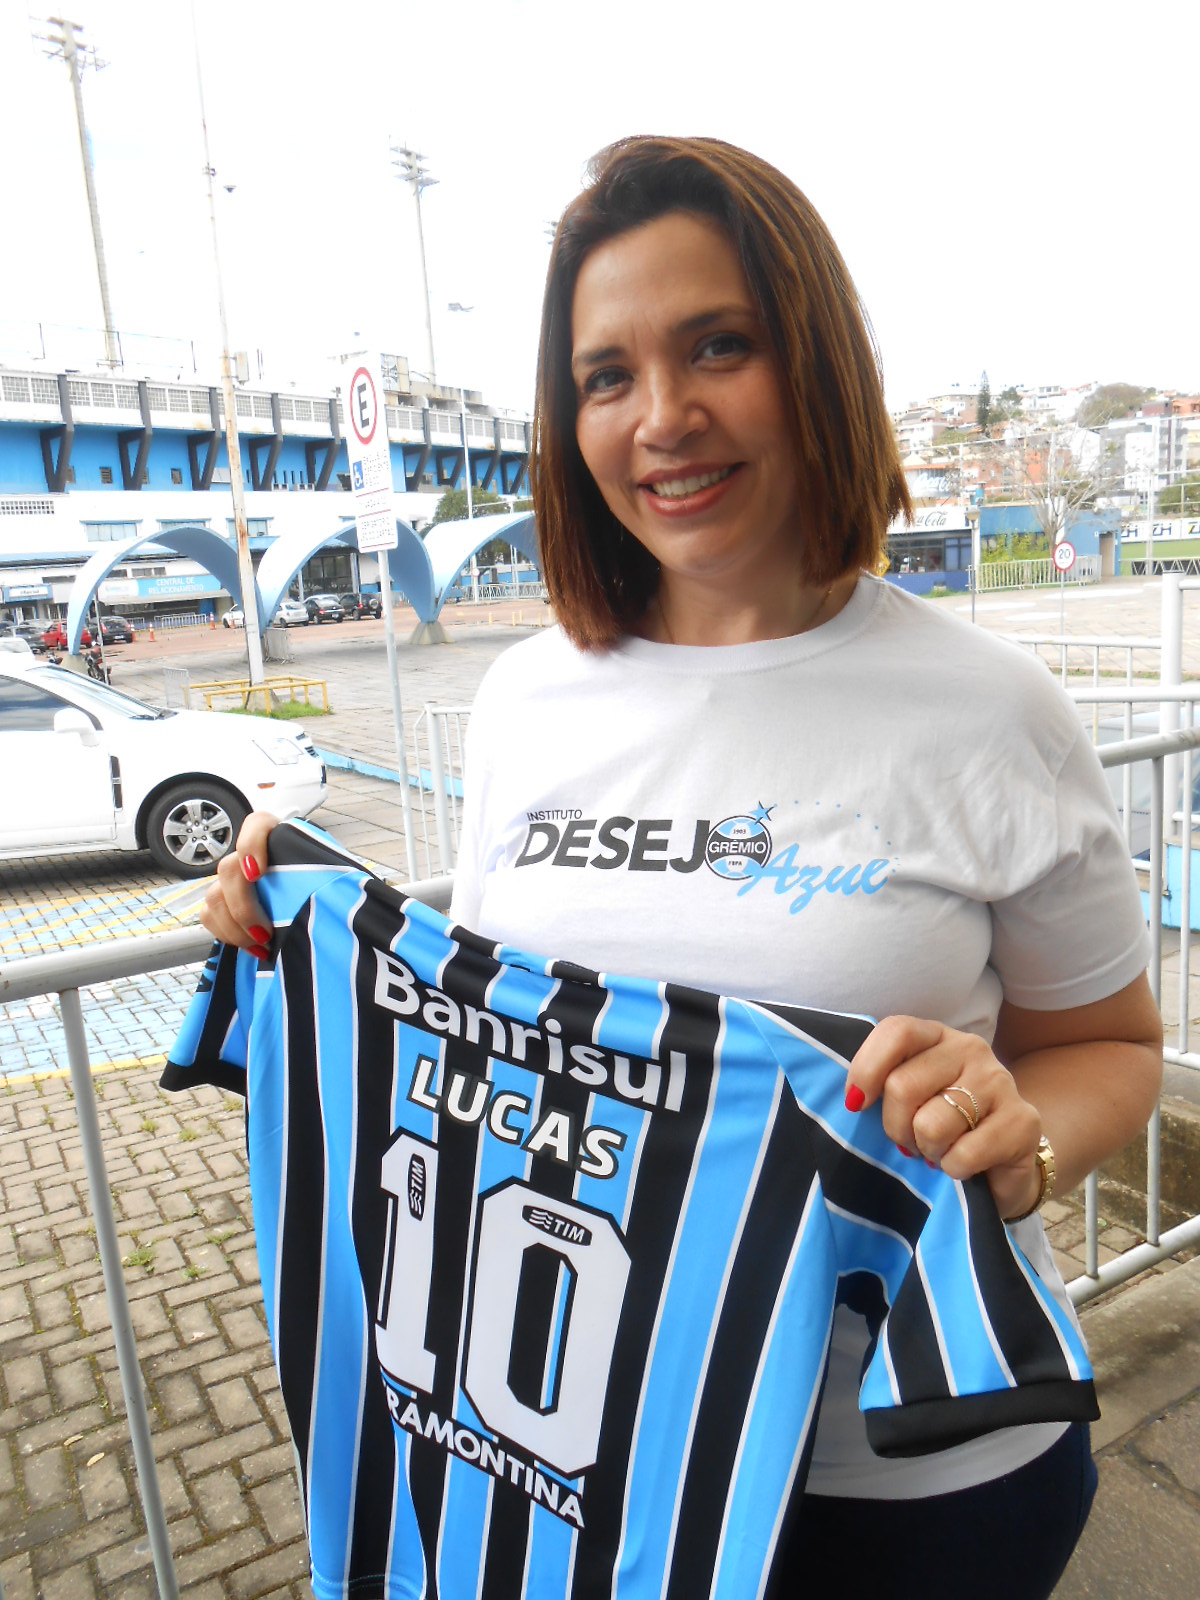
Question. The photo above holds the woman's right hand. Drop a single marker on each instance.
(231, 911)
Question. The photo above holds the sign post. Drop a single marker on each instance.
(1063, 557)
(370, 459)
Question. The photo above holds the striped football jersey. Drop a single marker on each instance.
(550, 1258)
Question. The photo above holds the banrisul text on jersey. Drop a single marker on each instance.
(550, 1259)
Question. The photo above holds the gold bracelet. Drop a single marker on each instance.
(1043, 1158)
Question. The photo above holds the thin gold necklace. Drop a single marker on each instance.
(811, 623)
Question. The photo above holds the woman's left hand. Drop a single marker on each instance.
(909, 1064)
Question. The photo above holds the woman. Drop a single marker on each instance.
(743, 763)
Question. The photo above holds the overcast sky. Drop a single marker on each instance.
(1012, 185)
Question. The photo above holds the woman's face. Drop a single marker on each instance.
(682, 419)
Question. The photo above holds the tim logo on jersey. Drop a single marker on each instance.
(738, 849)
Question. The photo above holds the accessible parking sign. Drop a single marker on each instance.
(370, 457)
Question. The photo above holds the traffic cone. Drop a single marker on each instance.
(152, 632)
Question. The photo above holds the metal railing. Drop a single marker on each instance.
(436, 751)
(1157, 748)
(1037, 574)
(490, 593)
(66, 975)
(1099, 657)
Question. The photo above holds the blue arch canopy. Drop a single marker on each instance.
(424, 570)
(201, 545)
(450, 545)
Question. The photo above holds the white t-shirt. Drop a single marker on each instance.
(894, 812)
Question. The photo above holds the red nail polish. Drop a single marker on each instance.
(261, 951)
(259, 935)
(911, 1154)
(252, 869)
(855, 1098)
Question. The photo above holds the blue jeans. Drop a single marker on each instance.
(1009, 1539)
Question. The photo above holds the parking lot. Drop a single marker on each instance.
(58, 903)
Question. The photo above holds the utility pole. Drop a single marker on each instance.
(233, 446)
(77, 55)
(411, 169)
(462, 400)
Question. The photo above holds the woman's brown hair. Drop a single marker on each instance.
(848, 467)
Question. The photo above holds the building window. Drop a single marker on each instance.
(110, 532)
(256, 527)
(105, 474)
(331, 571)
(165, 524)
(176, 474)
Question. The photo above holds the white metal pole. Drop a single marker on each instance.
(1171, 676)
(389, 634)
(114, 1290)
(462, 398)
(416, 187)
(233, 448)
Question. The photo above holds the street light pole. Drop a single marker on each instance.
(233, 447)
(413, 171)
(462, 402)
(77, 55)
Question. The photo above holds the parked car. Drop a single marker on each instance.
(113, 773)
(291, 614)
(361, 605)
(55, 637)
(233, 618)
(31, 632)
(116, 630)
(323, 608)
(14, 648)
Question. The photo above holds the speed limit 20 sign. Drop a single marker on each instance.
(1064, 555)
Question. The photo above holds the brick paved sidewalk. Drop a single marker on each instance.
(70, 1521)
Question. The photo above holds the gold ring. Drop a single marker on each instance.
(971, 1118)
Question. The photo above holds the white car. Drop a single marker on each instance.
(92, 769)
(233, 618)
(291, 614)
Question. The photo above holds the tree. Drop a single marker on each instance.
(1110, 401)
(1048, 472)
(452, 507)
(1181, 499)
(1007, 405)
(983, 406)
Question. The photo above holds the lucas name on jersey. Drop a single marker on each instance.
(738, 849)
(469, 1098)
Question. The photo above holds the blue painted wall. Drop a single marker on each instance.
(995, 521)
(21, 470)
(923, 582)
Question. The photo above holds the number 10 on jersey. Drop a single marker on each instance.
(545, 1291)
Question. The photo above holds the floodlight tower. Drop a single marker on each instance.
(65, 46)
(411, 169)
